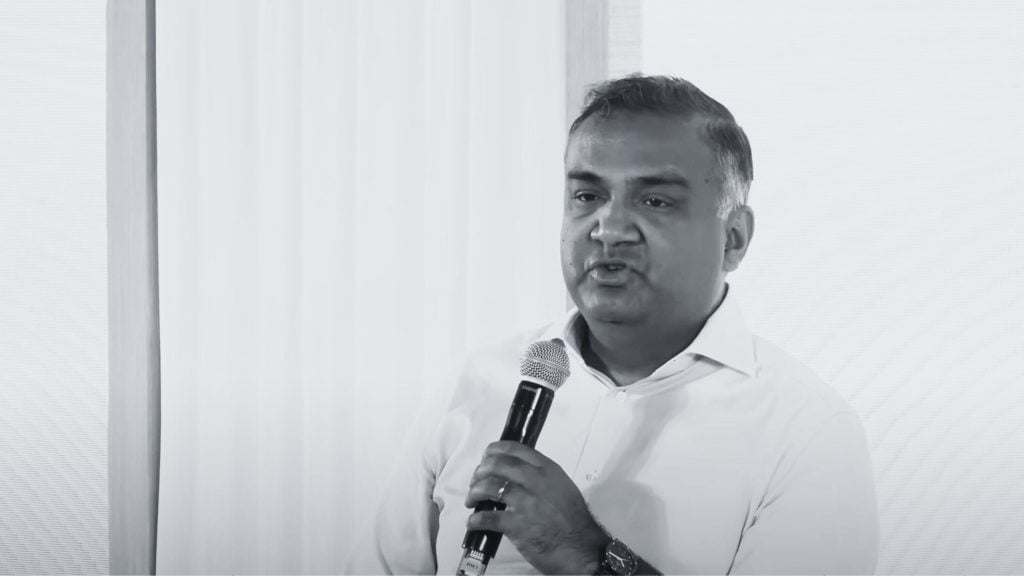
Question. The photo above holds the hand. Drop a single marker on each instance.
(545, 516)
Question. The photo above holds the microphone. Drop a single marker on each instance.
(544, 367)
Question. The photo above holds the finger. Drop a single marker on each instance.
(494, 520)
(491, 489)
(506, 467)
(518, 451)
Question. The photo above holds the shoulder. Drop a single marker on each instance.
(803, 405)
(794, 382)
(812, 430)
(494, 367)
(480, 395)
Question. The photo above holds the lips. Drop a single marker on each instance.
(610, 272)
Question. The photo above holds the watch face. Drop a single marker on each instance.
(620, 558)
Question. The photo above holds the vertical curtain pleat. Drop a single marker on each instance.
(352, 195)
(327, 301)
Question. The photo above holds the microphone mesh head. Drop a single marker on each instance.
(546, 361)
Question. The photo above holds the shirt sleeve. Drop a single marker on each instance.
(401, 540)
(404, 532)
(820, 514)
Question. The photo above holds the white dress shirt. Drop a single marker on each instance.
(732, 457)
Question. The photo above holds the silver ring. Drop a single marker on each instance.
(501, 491)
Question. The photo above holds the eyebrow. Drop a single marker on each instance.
(676, 179)
(585, 176)
(654, 180)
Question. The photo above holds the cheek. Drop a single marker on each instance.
(566, 251)
(571, 270)
(571, 245)
(691, 254)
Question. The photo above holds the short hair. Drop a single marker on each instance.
(669, 95)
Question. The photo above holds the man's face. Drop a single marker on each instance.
(641, 239)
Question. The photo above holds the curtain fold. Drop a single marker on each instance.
(351, 196)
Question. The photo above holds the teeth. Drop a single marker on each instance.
(613, 267)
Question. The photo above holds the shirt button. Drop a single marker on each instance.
(591, 476)
(621, 396)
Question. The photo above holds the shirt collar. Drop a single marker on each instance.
(724, 338)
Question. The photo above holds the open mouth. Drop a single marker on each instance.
(611, 274)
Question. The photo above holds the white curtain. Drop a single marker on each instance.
(352, 194)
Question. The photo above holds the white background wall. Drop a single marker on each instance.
(53, 288)
(889, 194)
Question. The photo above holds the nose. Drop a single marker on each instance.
(615, 225)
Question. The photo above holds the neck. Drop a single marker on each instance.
(627, 353)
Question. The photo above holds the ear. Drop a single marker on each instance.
(739, 229)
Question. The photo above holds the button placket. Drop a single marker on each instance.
(607, 425)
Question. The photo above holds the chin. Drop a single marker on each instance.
(609, 312)
(611, 306)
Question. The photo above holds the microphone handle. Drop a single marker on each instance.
(525, 419)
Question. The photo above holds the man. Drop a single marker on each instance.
(681, 443)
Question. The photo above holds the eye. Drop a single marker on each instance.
(584, 196)
(655, 202)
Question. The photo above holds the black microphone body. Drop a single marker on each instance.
(544, 368)
(525, 419)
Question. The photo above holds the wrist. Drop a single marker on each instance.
(617, 559)
(597, 552)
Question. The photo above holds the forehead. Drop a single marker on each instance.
(633, 144)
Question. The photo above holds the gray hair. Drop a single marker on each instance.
(675, 96)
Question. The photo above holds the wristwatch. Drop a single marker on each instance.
(617, 560)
